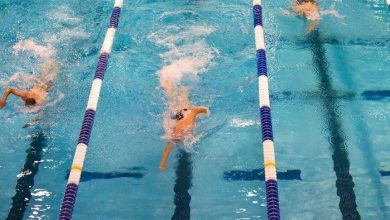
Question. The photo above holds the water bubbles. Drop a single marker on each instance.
(240, 210)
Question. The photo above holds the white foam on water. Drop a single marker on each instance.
(70, 26)
(40, 193)
(332, 11)
(40, 51)
(188, 53)
(24, 173)
(21, 79)
(241, 123)
(64, 14)
(39, 209)
(66, 34)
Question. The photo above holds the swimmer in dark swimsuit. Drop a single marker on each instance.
(183, 120)
(309, 10)
(37, 95)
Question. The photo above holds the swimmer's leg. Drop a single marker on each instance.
(34, 121)
(312, 26)
(49, 71)
(167, 87)
(184, 100)
(167, 150)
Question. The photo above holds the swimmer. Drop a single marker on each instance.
(308, 9)
(37, 95)
(182, 118)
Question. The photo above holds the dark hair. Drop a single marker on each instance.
(304, 1)
(30, 101)
(177, 116)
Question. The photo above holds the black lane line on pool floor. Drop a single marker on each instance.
(363, 137)
(25, 183)
(183, 183)
(337, 138)
(296, 41)
(258, 174)
(384, 173)
(133, 172)
(366, 95)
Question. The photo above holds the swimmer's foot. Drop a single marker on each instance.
(163, 166)
(31, 123)
(2, 104)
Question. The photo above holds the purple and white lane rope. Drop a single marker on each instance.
(86, 128)
(265, 116)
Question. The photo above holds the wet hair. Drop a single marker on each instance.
(179, 115)
(309, 1)
(30, 101)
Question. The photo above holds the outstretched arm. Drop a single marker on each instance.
(199, 110)
(22, 94)
(167, 150)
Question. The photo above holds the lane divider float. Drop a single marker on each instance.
(89, 116)
(273, 211)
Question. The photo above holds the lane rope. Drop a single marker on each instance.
(273, 210)
(89, 116)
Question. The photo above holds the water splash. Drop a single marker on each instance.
(332, 11)
(188, 53)
(241, 123)
(40, 51)
(21, 79)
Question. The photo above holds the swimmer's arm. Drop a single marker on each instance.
(312, 26)
(199, 110)
(16, 92)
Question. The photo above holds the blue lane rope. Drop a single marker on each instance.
(273, 211)
(86, 128)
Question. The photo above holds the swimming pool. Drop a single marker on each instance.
(329, 100)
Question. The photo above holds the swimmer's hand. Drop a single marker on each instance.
(2, 104)
(201, 110)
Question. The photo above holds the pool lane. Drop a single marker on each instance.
(25, 183)
(337, 136)
(183, 183)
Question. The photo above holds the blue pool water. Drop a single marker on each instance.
(329, 95)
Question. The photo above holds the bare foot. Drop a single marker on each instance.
(2, 104)
(163, 166)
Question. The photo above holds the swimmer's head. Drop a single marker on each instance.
(30, 101)
(177, 115)
(306, 1)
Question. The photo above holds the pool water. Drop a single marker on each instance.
(330, 105)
